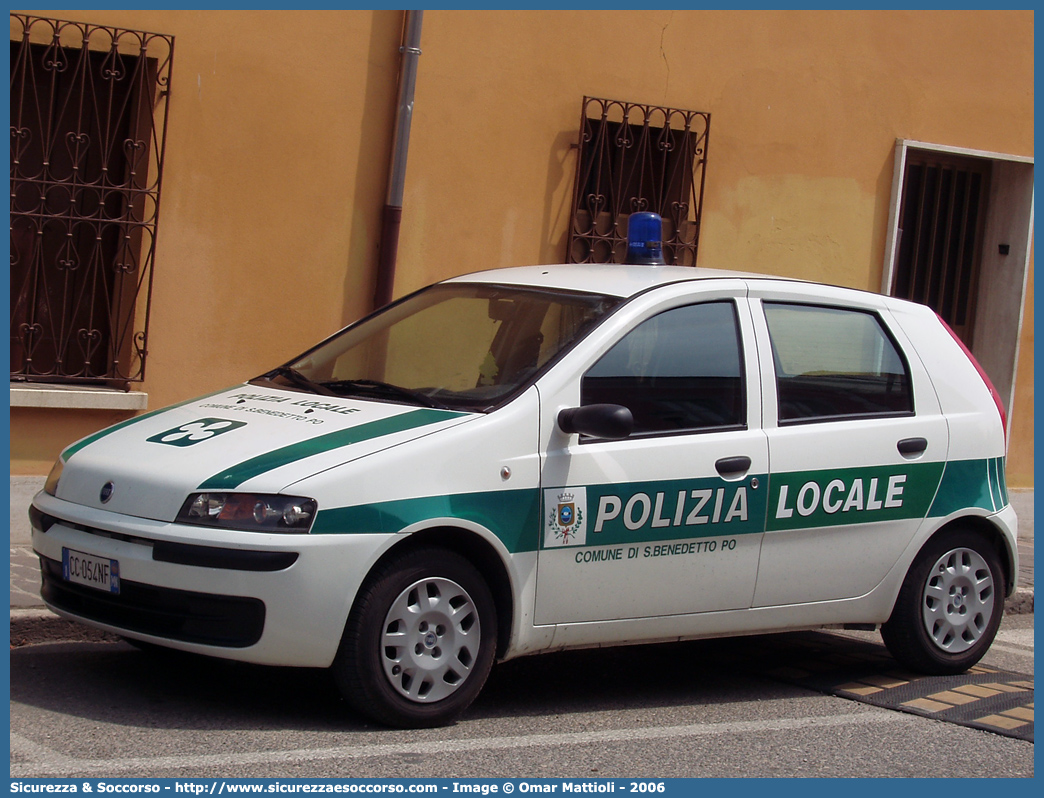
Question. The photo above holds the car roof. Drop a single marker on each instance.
(612, 279)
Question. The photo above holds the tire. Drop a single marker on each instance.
(419, 642)
(950, 605)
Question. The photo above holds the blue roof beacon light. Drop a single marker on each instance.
(645, 239)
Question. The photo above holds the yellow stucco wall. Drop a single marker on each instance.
(806, 109)
(281, 123)
(276, 161)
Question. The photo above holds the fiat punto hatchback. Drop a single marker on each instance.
(540, 458)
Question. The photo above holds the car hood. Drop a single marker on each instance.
(243, 439)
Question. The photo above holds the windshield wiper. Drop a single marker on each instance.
(382, 389)
(300, 380)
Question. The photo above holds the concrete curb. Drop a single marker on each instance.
(1021, 603)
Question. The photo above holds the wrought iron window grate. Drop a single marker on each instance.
(88, 123)
(635, 157)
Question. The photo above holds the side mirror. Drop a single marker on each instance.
(597, 421)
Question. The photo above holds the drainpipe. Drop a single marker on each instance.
(392, 217)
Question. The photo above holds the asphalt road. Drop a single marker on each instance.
(717, 708)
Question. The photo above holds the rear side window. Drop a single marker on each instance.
(679, 371)
(834, 363)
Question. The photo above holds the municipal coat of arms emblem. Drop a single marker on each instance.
(564, 518)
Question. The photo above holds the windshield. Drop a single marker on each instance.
(457, 345)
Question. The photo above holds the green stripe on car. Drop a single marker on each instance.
(512, 515)
(634, 512)
(971, 483)
(674, 509)
(240, 473)
(842, 496)
(70, 451)
(999, 483)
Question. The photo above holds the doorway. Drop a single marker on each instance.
(959, 238)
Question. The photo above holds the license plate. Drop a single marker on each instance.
(100, 573)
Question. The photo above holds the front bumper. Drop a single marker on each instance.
(276, 599)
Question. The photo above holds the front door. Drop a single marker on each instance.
(669, 520)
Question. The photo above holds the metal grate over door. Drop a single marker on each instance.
(941, 222)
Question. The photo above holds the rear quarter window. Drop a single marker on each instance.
(835, 363)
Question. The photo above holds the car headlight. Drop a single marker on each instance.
(51, 485)
(252, 512)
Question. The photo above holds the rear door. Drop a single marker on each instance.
(857, 443)
(669, 520)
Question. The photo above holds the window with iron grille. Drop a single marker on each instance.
(635, 157)
(88, 122)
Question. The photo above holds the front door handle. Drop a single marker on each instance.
(730, 466)
(910, 446)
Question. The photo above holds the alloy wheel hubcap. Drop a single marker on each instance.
(430, 640)
(958, 600)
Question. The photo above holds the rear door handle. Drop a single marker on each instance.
(730, 466)
(911, 446)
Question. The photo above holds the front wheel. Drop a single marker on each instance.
(419, 642)
(949, 607)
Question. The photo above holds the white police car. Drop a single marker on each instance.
(540, 458)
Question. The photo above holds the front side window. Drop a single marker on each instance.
(454, 345)
(833, 363)
(679, 371)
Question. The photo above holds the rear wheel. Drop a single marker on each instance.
(419, 642)
(950, 605)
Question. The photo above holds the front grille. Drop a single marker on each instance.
(184, 615)
(215, 557)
